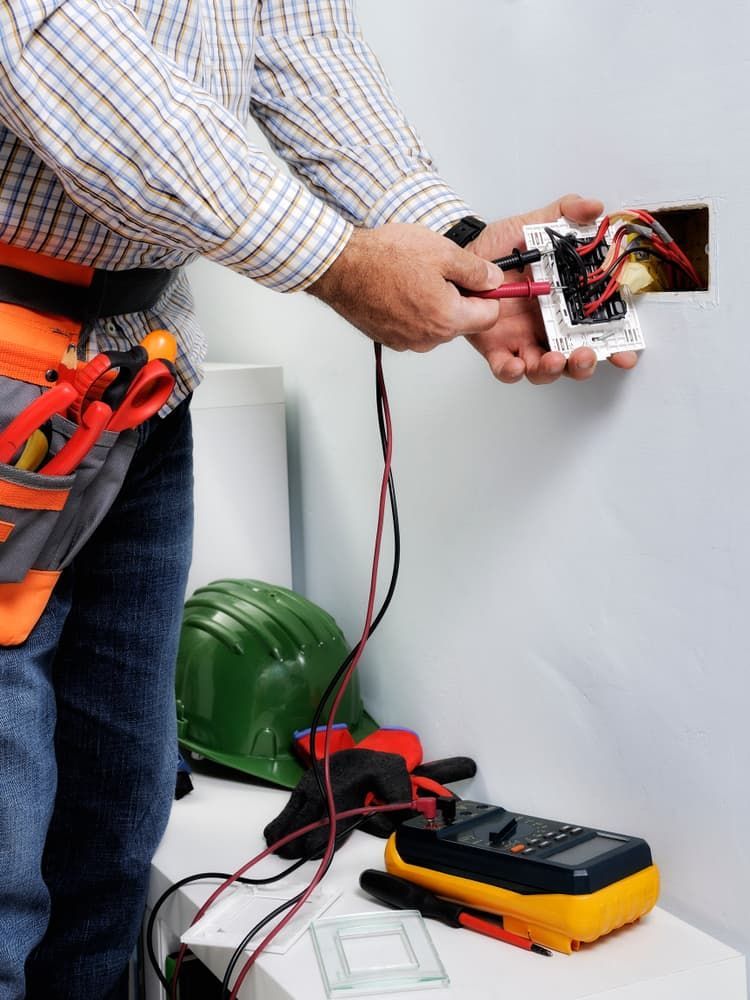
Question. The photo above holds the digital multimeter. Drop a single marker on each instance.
(556, 883)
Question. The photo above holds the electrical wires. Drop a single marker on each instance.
(346, 676)
(199, 877)
(592, 272)
(335, 689)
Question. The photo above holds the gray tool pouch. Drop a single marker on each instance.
(45, 520)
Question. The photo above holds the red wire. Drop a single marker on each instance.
(330, 846)
(610, 289)
(347, 814)
(600, 233)
(598, 272)
(672, 249)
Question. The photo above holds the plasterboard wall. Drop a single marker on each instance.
(574, 585)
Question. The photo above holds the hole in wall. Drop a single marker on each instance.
(689, 225)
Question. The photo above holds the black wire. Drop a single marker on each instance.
(315, 764)
(287, 904)
(379, 397)
(195, 878)
(225, 988)
(333, 683)
(201, 876)
(562, 244)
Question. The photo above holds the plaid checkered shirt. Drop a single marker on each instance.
(124, 144)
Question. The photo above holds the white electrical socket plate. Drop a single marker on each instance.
(604, 339)
(241, 907)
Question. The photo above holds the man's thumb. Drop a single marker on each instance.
(571, 206)
(473, 273)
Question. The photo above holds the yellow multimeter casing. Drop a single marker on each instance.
(557, 884)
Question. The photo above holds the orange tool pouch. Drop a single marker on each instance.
(45, 519)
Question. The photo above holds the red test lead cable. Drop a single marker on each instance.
(427, 806)
(330, 846)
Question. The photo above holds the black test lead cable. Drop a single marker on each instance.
(382, 406)
(383, 414)
(239, 950)
(199, 877)
(345, 671)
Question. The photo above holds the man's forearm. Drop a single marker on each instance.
(146, 152)
(323, 100)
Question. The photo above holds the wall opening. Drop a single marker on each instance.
(689, 225)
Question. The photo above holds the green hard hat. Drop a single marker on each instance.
(253, 663)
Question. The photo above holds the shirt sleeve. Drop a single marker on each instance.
(148, 154)
(323, 101)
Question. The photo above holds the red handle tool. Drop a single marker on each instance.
(92, 422)
(19, 430)
(147, 393)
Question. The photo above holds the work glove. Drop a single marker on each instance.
(383, 768)
(355, 776)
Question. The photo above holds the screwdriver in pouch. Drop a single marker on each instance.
(403, 895)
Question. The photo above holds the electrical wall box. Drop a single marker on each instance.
(614, 327)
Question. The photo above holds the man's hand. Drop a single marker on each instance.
(516, 345)
(398, 284)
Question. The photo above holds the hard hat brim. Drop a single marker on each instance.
(284, 770)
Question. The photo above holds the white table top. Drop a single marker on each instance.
(219, 827)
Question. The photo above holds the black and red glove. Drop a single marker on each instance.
(384, 768)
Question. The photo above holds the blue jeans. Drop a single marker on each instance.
(87, 737)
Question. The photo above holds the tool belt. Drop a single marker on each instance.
(45, 519)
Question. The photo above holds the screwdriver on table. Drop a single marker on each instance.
(403, 895)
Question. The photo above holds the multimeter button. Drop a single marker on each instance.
(564, 829)
(534, 840)
(576, 829)
(561, 836)
(545, 843)
(517, 848)
(529, 850)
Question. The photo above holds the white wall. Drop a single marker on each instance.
(575, 587)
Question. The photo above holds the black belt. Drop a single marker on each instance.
(111, 293)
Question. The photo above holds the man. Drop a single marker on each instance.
(124, 148)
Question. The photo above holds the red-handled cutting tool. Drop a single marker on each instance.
(115, 391)
(92, 423)
(31, 418)
(403, 895)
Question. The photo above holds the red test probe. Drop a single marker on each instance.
(516, 290)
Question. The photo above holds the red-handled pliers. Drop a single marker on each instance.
(139, 389)
(35, 415)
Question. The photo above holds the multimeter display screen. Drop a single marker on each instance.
(582, 853)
